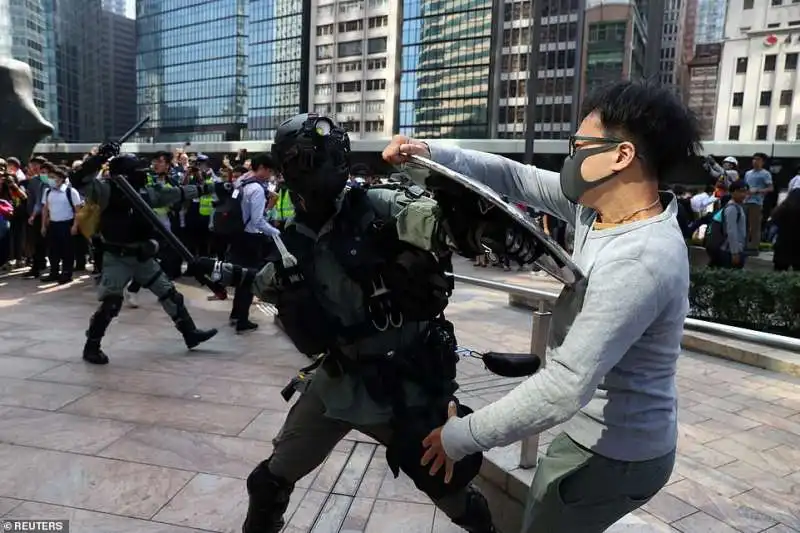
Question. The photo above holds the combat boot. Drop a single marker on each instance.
(477, 518)
(269, 499)
(191, 335)
(92, 353)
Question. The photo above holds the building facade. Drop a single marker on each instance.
(445, 70)
(711, 20)
(671, 64)
(758, 81)
(614, 45)
(702, 85)
(355, 46)
(277, 64)
(191, 69)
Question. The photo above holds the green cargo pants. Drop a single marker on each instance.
(577, 491)
(119, 271)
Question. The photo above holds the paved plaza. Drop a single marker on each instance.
(160, 441)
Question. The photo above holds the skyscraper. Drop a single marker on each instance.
(672, 44)
(191, 69)
(446, 57)
(710, 21)
(30, 44)
(277, 64)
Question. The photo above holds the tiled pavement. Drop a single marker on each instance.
(160, 441)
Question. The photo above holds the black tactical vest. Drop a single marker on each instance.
(120, 223)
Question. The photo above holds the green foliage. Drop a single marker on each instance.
(763, 301)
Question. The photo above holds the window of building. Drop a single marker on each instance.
(514, 62)
(761, 133)
(376, 45)
(747, 4)
(797, 129)
(765, 100)
(324, 68)
(607, 31)
(774, 25)
(741, 65)
(324, 51)
(376, 85)
(375, 106)
(349, 66)
(769, 62)
(791, 61)
(738, 99)
(354, 127)
(517, 11)
(348, 108)
(378, 22)
(322, 109)
(794, 22)
(777, 2)
(781, 132)
(733, 133)
(350, 48)
(516, 36)
(786, 98)
(350, 7)
(348, 87)
(373, 126)
(325, 29)
(325, 11)
(351, 25)
(376, 64)
(322, 89)
(374, 4)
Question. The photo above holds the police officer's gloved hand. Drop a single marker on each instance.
(109, 150)
(522, 247)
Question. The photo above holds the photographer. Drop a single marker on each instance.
(11, 192)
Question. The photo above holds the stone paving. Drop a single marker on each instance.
(160, 441)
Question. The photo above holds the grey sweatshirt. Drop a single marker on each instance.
(735, 228)
(616, 336)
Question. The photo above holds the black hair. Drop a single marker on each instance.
(665, 132)
(38, 160)
(738, 185)
(262, 160)
(163, 153)
(709, 188)
(240, 169)
(762, 155)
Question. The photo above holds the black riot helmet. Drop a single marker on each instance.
(130, 166)
(313, 154)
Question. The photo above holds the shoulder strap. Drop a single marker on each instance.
(69, 198)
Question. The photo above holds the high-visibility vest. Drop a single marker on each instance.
(284, 209)
(206, 202)
(153, 181)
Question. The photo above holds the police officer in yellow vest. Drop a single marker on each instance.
(283, 210)
(198, 215)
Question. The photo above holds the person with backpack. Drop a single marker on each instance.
(241, 219)
(726, 236)
(59, 226)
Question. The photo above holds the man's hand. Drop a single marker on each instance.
(433, 443)
(31, 219)
(44, 230)
(736, 259)
(401, 147)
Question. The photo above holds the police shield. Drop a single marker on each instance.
(476, 217)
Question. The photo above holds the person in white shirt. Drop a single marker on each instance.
(60, 203)
(794, 183)
(703, 202)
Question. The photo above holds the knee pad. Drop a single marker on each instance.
(262, 481)
(173, 296)
(111, 305)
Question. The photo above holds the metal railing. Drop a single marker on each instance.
(541, 328)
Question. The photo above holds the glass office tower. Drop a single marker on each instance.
(191, 69)
(444, 87)
(276, 70)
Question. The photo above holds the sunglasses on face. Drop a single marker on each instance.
(586, 141)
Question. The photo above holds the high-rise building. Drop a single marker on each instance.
(711, 20)
(703, 74)
(277, 63)
(446, 58)
(29, 43)
(5, 28)
(117, 76)
(355, 47)
(672, 44)
(556, 86)
(191, 69)
(758, 76)
(615, 43)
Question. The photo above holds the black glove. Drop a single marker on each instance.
(522, 247)
(109, 150)
(202, 266)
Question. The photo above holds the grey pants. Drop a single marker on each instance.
(118, 271)
(577, 491)
(308, 436)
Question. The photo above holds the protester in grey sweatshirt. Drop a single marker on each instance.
(615, 340)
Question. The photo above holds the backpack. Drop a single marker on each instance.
(716, 233)
(228, 217)
(69, 197)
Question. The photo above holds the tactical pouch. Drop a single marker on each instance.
(418, 285)
(405, 451)
(417, 224)
(304, 320)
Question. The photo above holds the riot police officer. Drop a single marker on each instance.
(129, 248)
(359, 283)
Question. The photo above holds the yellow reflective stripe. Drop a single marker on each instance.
(206, 203)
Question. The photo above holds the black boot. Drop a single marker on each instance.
(92, 353)
(269, 498)
(477, 518)
(191, 335)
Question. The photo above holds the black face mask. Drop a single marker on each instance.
(573, 186)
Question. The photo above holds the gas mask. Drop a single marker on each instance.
(573, 183)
